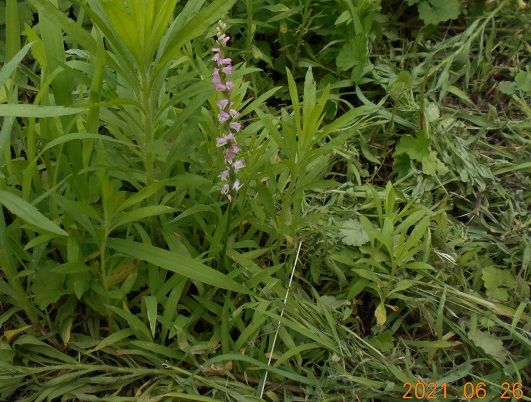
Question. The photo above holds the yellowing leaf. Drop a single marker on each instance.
(380, 314)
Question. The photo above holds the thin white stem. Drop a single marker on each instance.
(278, 324)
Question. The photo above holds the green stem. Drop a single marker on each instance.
(227, 233)
(148, 129)
(149, 137)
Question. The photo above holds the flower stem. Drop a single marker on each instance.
(227, 233)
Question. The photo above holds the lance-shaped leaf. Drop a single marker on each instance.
(27, 212)
(175, 262)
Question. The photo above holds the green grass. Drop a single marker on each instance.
(389, 140)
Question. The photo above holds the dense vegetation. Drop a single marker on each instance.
(378, 233)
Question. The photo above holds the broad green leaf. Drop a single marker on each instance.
(437, 11)
(498, 282)
(353, 233)
(37, 111)
(523, 81)
(492, 345)
(47, 286)
(178, 263)
(415, 148)
(383, 342)
(27, 212)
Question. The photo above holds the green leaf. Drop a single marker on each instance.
(353, 53)
(383, 342)
(353, 233)
(27, 212)
(151, 308)
(71, 268)
(523, 81)
(507, 87)
(415, 148)
(497, 282)
(37, 111)
(437, 11)
(139, 214)
(489, 343)
(10, 67)
(111, 339)
(47, 286)
(175, 262)
(136, 325)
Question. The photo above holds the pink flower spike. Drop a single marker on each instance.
(237, 165)
(229, 85)
(223, 116)
(221, 141)
(235, 126)
(222, 103)
(234, 113)
(224, 175)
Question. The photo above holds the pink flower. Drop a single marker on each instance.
(231, 152)
(217, 57)
(229, 85)
(222, 103)
(230, 137)
(234, 113)
(221, 141)
(235, 126)
(216, 78)
(237, 165)
(223, 116)
(223, 39)
(225, 62)
(227, 69)
(237, 185)
(225, 189)
(224, 175)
